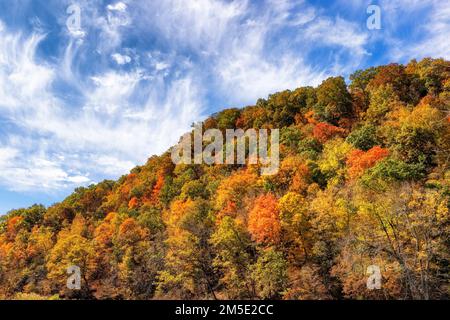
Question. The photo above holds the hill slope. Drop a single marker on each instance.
(364, 180)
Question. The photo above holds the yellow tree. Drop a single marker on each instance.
(234, 257)
(189, 271)
(407, 225)
(72, 249)
(296, 226)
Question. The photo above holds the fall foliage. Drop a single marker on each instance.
(264, 221)
(364, 179)
(358, 161)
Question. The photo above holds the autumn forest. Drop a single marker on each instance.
(364, 180)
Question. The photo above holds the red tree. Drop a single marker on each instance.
(324, 131)
(264, 220)
(358, 161)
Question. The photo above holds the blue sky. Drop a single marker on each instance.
(78, 105)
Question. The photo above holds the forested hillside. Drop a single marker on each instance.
(364, 180)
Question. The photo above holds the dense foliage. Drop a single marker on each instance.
(364, 180)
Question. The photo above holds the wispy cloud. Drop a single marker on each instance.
(80, 107)
(426, 23)
(121, 59)
(57, 145)
(337, 32)
(199, 25)
(436, 28)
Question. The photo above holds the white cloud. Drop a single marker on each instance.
(107, 23)
(121, 59)
(242, 51)
(58, 146)
(18, 70)
(119, 6)
(337, 32)
(303, 17)
(427, 36)
(111, 165)
(6, 155)
(21, 171)
(117, 15)
(247, 73)
(256, 63)
(437, 29)
(111, 92)
(161, 66)
(235, 38)
(199, 24)
(78, 34)
(162, 62)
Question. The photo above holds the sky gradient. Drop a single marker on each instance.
(79, 106)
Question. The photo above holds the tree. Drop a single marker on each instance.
(188, 271)
(134, 203)
(324, 131)
(405, 225)
(39, 245)
(140, 260)
(263, 220)
(358, 161)
(433, 73)
(363, 180)
(103, 242)
(416, 145)
(234, 258)
(296, 227)
(252, 117)
(390, 171)
(333, 159)
(407, 87)
(417, 140)
(358, 88)
(290, 137)
(361, 79)
(234, 190)
(194, 189)
(364, 138)
(270, 274)
(383, 99)
(72, 249)
(352, 266)
(285, 105)
(306, 284)
(333, 99)
(226, 119)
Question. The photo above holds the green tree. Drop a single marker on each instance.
(234, 256)
(333, 100)
(364, 138)
(270, 274)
